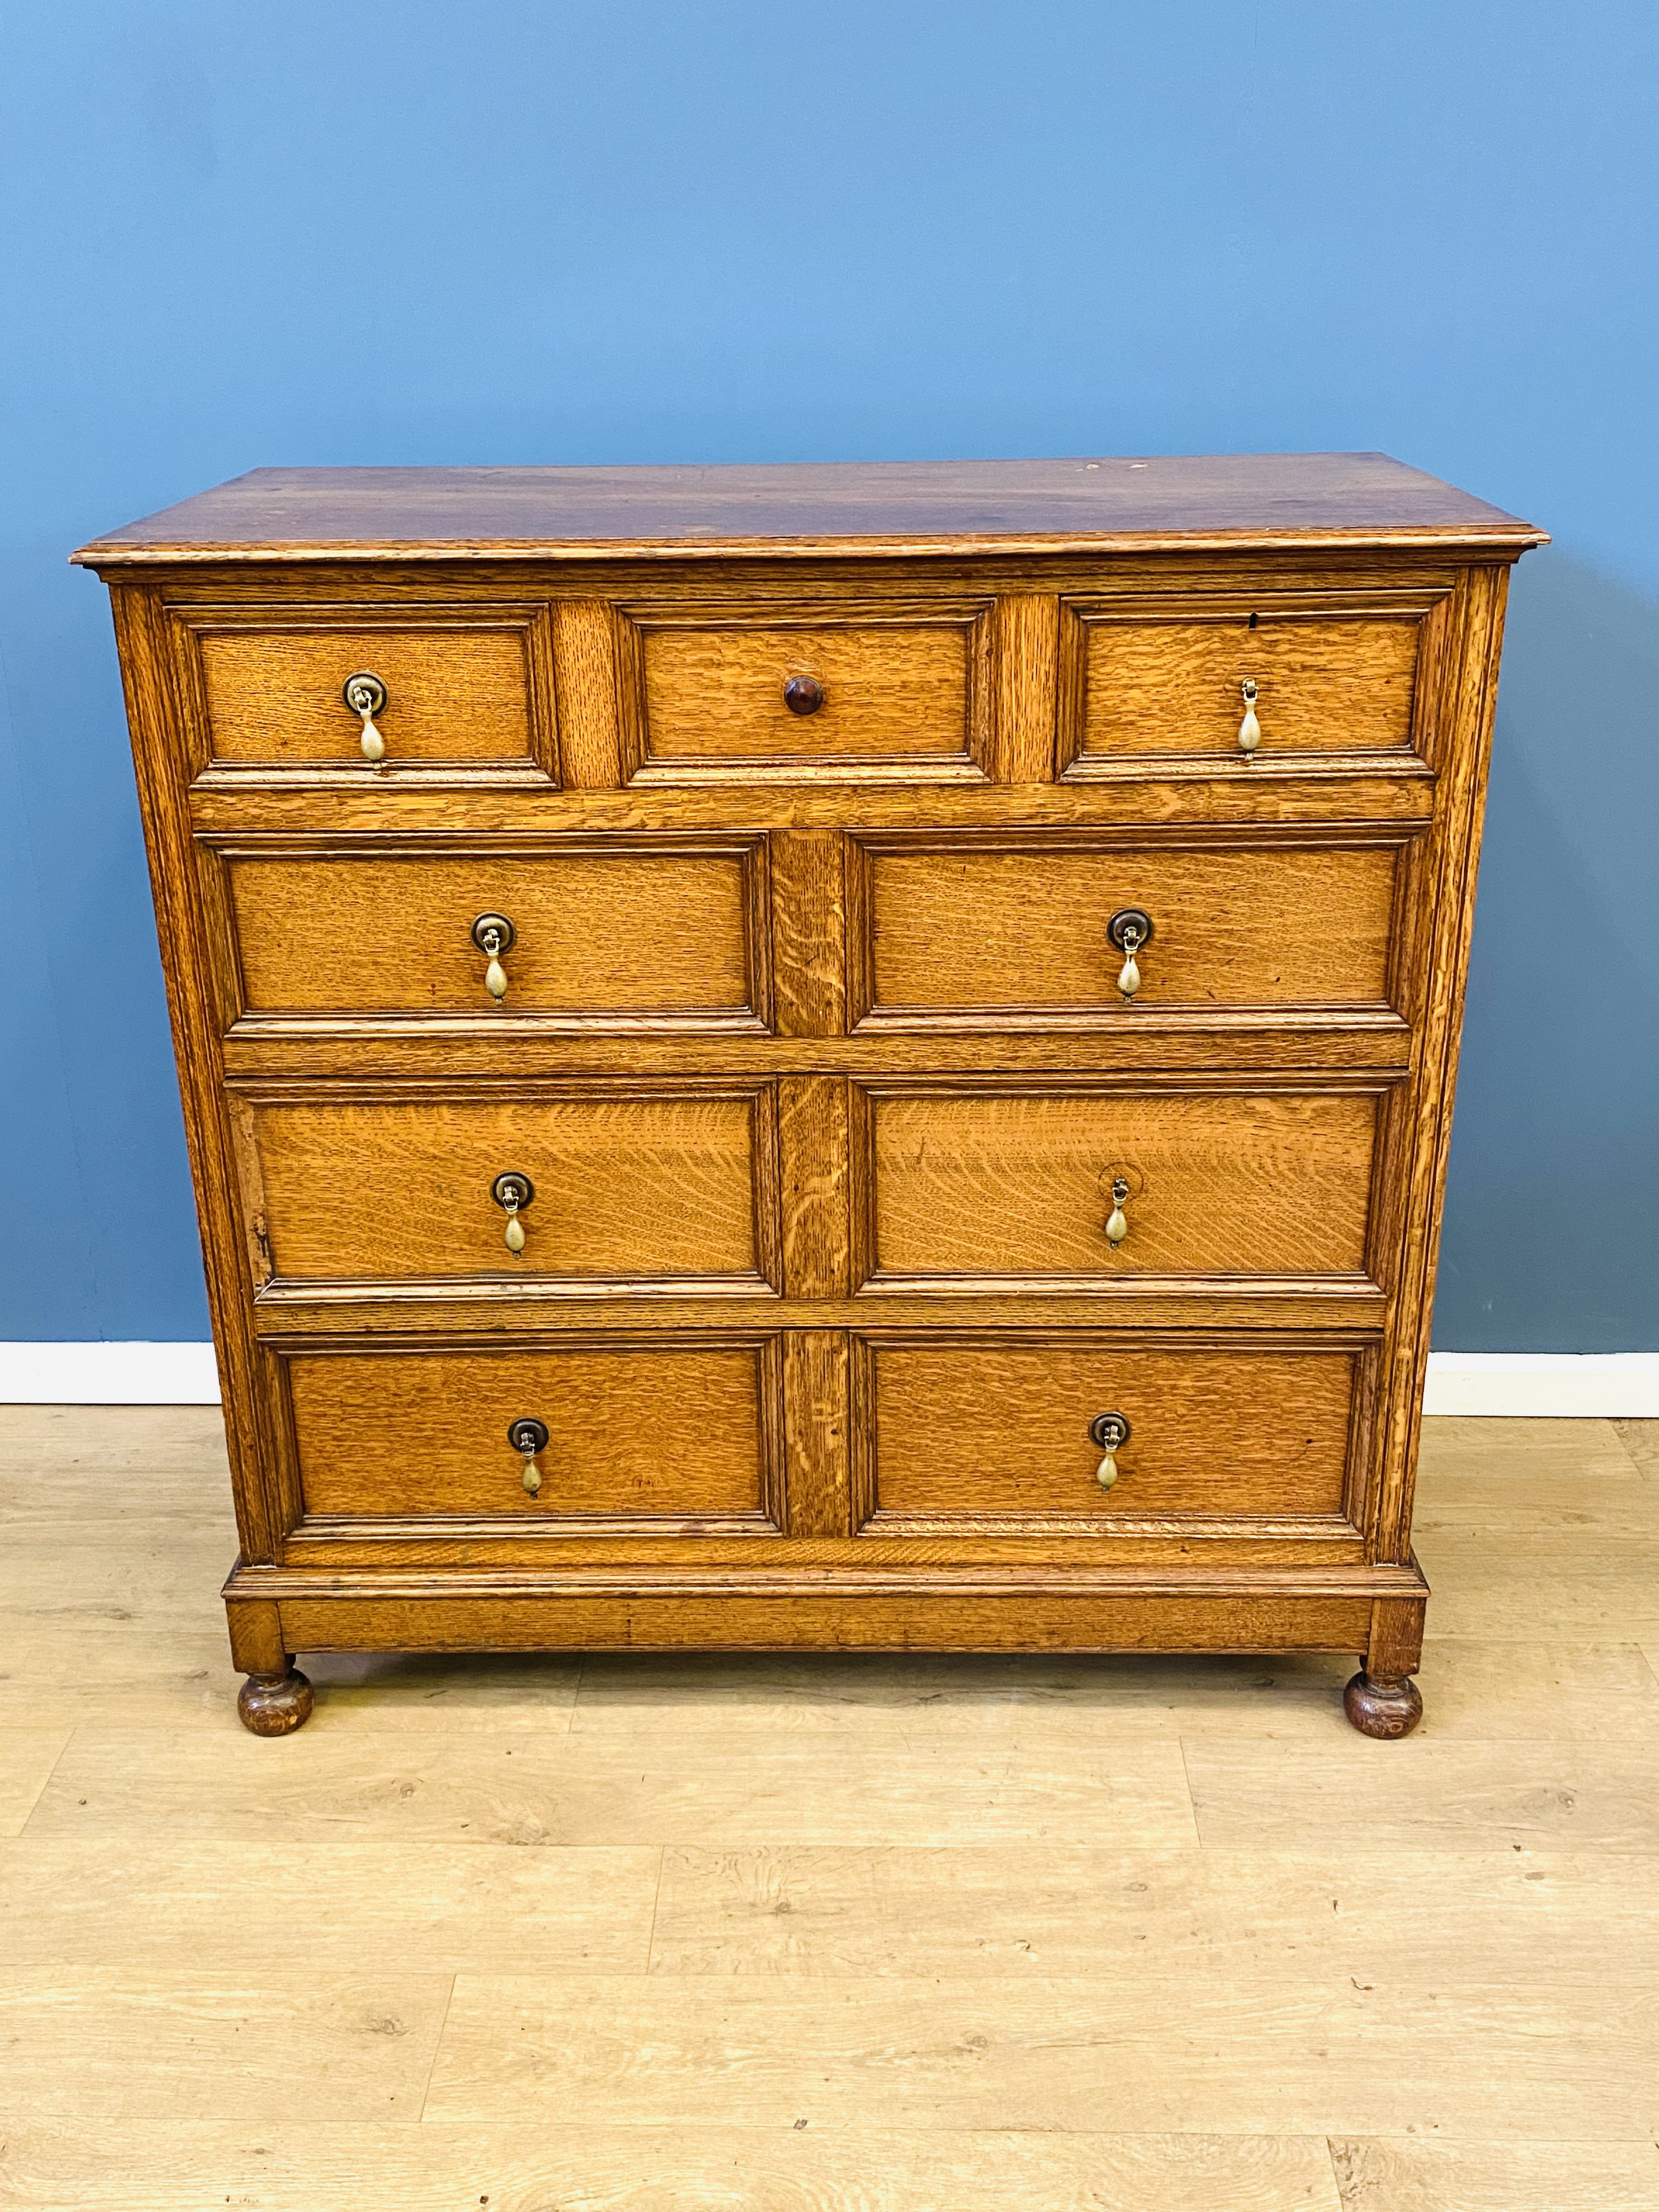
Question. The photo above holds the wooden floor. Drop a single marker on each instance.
(877, 1934)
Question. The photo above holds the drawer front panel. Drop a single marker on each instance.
(896, 689)
(1021, 928)
(1000, 1430)
(625, 1189)
(666, 936)
(453, 692)
(1019, 1186)
(1175, 687)
(633, 1433)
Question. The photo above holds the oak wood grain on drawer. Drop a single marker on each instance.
(600, 934)
(460, 690)
(999, 1431)
(636, 1433)
(1015, 927)
(1176, 686)
(710, 697)
(650, 1184)
(996, 1183)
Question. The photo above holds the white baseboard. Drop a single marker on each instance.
(108, 1375)
(1603, 1385)
(1561, 1385)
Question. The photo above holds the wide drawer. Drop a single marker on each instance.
(999, 1183)
(456, 687)
(643, 1432)
(1177, 685)
(998, 1431)
(654, 936)
(746, 692)
(673, 1184)
(1019, 926)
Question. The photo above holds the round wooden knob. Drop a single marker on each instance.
(803, 695)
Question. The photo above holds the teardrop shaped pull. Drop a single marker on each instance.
(514, 1232)
(374, 743)
(1106, 1472)
(1128, 977)
(533, 1478)
(495, 979)
(1249, 730)
(366, 695)
(1117, 1222)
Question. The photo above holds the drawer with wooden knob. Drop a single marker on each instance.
(1237, 685)
(569, 1185)
(667, 1436)
(1005, 1433)
(1001, 931)
(617, 934)
(716, 695)
(367, 690)
(992, 1184)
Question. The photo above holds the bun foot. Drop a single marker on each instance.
(275, 1704)
(1386, 1706)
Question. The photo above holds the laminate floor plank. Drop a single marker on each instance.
(28, 1756)
(1641, 1440)
(89, 2044)
(1425, 1794)
(147, 1902)
(200, 2166)
(79, 1447)
(1142, 2055)
(1502, 1584)
(1533, 1919)
(1406, 2174)
(659, 1789)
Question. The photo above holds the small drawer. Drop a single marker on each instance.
(446, 690)
(1018, 929)
(749, 695)
(1181, 687)
(637, 1188)
(1002, 1186)
(614, 937)
(1001, 1432)
(640, 1433)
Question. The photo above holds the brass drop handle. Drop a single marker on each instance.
(1249, 730)
(803, 695)
(1111, 1432)
(528, 1437)
(514, 1192)
(366, 695)
(494, 934)
(1128, 932)
(1117, 1222)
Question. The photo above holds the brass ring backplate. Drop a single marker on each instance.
(364, 693)
(527, 1436)
(1126, 919)
(504, 931)
(513, 1191)
(1110, 1431)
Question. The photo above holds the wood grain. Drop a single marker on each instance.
(1008, 926)
(1175, 686)
(1009, 1183)
(26, 1758)
(659, 1433)
(597, 932)
(961, 505)
(455, 691)
(198, 2165)
(892, 689)
(1479, 2173)
(1052, 2054)
(1229, 1434)
(201, 2046)
(625, 1186)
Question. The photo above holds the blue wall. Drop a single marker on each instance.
(342, 231)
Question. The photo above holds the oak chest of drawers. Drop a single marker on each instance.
(823, 1056)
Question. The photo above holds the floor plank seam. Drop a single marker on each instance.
(437, 2048)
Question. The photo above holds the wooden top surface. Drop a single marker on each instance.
(908, 507)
